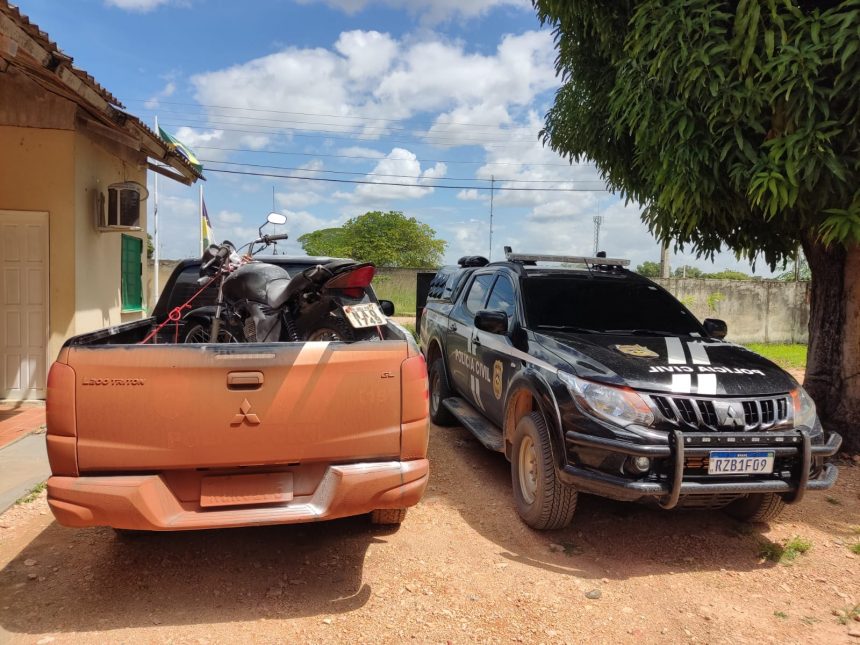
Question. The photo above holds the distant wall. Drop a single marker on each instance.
(756, 311)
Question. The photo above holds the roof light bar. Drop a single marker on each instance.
(572, 259)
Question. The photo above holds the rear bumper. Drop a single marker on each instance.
(145, 502)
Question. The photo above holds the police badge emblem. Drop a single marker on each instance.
(497, 379)
(636, 350)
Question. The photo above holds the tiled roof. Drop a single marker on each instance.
(108, 113)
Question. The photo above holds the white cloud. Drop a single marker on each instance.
(228, 217)
(368, 53)
(469, 195)
(167, 91)
(431, 10)
(139, 6)
(398, 162)
(358, 151)
(298, 199)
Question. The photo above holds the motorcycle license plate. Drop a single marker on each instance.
(733, 462)
(366, 315)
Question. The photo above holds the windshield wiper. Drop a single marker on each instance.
(644, 332)
(570, 328)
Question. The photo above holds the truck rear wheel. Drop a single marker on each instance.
(439, 391)
(757, 507)
(388, 515)
(542, 501)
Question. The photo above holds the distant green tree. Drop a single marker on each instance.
(325, 241)
(150, 247)
(688, 272)
(728, 274)
(649, 269)
(387, 239)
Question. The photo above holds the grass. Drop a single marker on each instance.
(833, 501)
(32, 494)
(784, 355)
(787, 552)
(855, 548)
(399, 288)
(847, 615)
(780, 614)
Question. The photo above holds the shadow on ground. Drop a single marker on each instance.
(606, 539)
(186, 578)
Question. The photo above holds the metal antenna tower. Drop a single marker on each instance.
(492, 190)
(598, 220)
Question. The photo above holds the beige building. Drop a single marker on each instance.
(73, 169)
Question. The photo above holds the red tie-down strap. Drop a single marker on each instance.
(175, 315)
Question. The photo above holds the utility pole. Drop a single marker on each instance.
(156, 290)
(664, 261)
(492, 190)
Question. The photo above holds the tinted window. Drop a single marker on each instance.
(603, 304)
(478, 293)
(502, 296)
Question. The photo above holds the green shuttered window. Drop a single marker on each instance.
(132, 273)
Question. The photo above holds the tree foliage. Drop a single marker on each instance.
(387, 239)
(734, 123)
(649, 269)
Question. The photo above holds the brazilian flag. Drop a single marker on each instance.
(177, 146)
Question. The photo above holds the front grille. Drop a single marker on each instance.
(723, 414)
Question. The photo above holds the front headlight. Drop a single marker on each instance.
(804, 408)
(620, 405)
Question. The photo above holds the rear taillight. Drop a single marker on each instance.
(415, 396)
(60, 418)
(358, 278)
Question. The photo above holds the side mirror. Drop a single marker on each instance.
(493, 322)
(276, 218)
(716, 328)
(387, 307)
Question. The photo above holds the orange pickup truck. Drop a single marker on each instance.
(172, 437)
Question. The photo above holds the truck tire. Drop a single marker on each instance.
(388, 515)
(756, 507)
(542, 501)
(439, 391)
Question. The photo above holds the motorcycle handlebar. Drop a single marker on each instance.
(274, 238)
(223, 252)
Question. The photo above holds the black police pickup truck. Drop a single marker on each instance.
(597, 380)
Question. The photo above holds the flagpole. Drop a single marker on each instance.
(201, 219)
(155, 286)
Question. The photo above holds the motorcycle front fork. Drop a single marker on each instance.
(216, 319)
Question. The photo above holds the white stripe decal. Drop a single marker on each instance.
(698, 354)
(496, 345)
(707, 384)
(681, 383)
(675, 351)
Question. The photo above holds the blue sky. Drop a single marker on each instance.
(415, 92)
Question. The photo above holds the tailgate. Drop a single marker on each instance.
(155, 407)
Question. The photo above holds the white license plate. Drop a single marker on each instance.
(366, 315)
(733, 462)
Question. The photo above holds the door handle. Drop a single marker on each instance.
(476, 340)
(452, 327)
(244, 380)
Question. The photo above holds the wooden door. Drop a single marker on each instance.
(24, 300)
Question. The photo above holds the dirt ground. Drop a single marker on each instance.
(462, 568)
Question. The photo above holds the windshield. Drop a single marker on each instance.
(597, 306)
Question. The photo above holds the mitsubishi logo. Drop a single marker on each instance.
(732, 418)
(244, 416)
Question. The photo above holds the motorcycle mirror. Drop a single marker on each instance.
(276, 218)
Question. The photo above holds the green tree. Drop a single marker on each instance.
(687, 271)
(734, 124)
(728, 274)
(150, 247)
(325, 241)
(649, 269)
(387, 239)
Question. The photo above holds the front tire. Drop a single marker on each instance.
(757, 507)
(199, 333)
(542, 501)
(439, 391)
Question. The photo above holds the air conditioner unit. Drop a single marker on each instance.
(119, 208)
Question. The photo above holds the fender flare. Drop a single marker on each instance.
(530, 379)
(441, 348)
